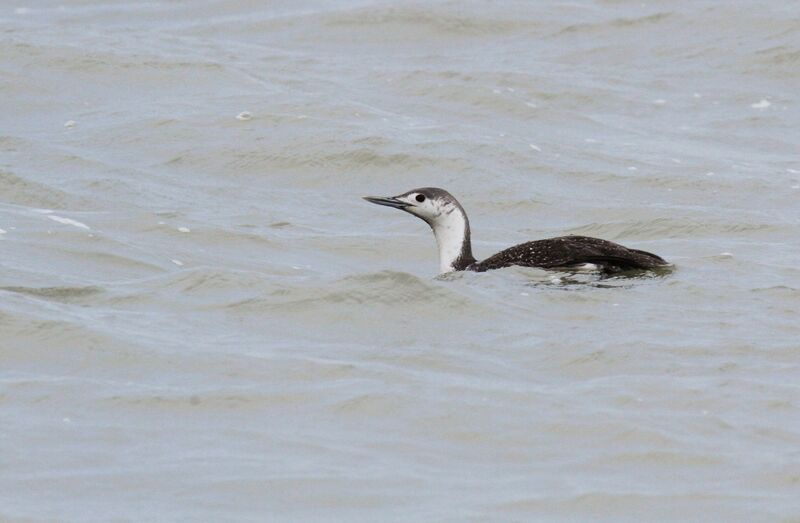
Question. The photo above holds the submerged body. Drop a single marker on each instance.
(439, 209)
(571, 251)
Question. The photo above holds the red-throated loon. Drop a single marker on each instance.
(451, 228)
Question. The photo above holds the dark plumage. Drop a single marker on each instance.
(566, 251)
(450, 225)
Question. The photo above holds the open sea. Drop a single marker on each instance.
(201, 320)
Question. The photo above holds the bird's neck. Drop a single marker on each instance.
(452, 237)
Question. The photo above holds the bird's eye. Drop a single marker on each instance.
(420, 198)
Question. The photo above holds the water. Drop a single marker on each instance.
(202, 320)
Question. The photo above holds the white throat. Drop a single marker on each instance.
(450, 231)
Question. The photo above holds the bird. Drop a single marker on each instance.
(448, 220)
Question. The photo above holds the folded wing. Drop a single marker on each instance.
(566, 251)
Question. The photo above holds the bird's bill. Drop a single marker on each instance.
(390, 201)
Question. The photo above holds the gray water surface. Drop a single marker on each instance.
(201, 320)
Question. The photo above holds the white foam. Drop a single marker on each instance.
(763, 104)
(177, 262)
(244, 115)
(184, 229)
(70, 123)
(710, 173)
(2, 231)
(659, 101)
(68, 221)
(43, 211)
(531, 105)
(535, 147)
(793, 171)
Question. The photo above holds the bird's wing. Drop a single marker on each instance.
(570, 250)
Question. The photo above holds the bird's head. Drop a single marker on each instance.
(446, 217)
(433, 205)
